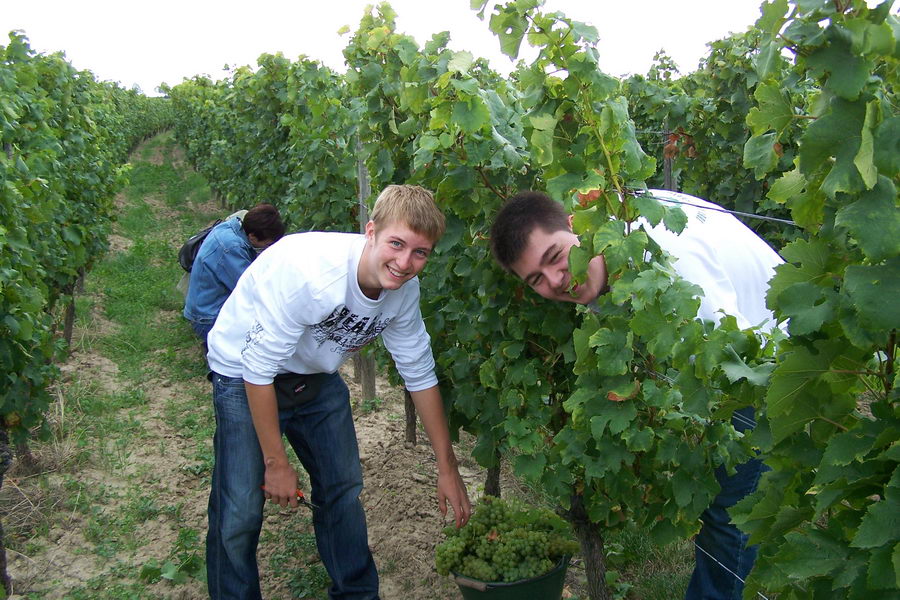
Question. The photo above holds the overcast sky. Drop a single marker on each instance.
(147, 43)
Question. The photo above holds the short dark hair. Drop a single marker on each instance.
(263, 221)
(518, 217)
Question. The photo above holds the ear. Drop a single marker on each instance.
(571, 220)
(370, 230)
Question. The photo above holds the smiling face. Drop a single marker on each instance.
(544, 266)
(393, 255)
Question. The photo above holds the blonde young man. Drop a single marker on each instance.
(298, 312)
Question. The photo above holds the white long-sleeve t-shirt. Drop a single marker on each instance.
(723, 256)
(299, 308)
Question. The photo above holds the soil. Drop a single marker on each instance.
(63, 554)
(399, 498)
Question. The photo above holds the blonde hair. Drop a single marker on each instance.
(411, 205)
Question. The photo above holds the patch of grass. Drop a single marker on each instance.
(197, 422)
(652, 572)
(184, 358)
(139, 289)
(80, 496)
(185, 560)
(112, 531)
(176, 185)
(147, 178)
(370, 405)
(189, 188)
(296, 554)
(113, 585)
(143, 507)
(85, 332)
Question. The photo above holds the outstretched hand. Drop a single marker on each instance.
(451, 490)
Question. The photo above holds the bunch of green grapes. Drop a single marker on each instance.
(505, 542)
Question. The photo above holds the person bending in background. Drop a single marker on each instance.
(299, 311)
(531, 238)
(224, 255)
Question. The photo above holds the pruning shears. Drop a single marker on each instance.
(300, 498)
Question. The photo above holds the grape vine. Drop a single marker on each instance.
(536, 382)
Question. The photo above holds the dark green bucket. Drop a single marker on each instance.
(548, 586)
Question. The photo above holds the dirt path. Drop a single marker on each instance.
(128, 499)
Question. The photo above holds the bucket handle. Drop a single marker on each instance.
(471, 583)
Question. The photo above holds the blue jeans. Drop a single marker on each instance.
(202, 329)
(322, 434)
(719, 541)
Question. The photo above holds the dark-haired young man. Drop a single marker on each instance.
(226, 252)
(531, 237)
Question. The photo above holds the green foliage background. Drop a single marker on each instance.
(795, 118)
(809, 134)
(64, 139)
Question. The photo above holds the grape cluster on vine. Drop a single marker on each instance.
(505, 542)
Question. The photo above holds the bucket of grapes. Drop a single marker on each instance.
(508, 551)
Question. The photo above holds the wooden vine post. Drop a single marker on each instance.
(5, 462)
(410, 410)
(364, 365)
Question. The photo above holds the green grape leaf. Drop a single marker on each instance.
(895, 561)
(807, 306)
(675, 219)
(542, 137)
(472, 115)
(664, 533)
(585, 32)
(530, 466)
(485, 450)
(772, 17)
(579, 259)
(773, 110)
(510, 27)
(767, 58)
(561, 186)
(461, 62)
(613, 351)
(881, 574)
(759, 154)
(640, 441)
(887, 147)
(790, 185)
(612, 415)
(848, 71)
(874, 291)
(736, 369)
(588, 220)
(169, 571)
(846, 447)
(793, 397)
(813, 554)
(807, 262)
(874, 221)
(865, 158)
(770, 23)
(467, 86)
(650, 208)
(837, 134)
(880, 525)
